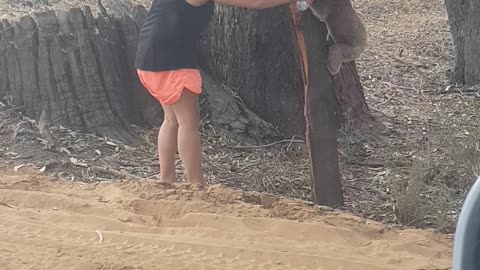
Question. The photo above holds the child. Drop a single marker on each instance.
(166, 63)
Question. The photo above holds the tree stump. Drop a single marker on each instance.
(80, 70)
(465, 30)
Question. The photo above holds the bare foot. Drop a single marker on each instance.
(165, 184)
(166, 181)
(194, 186)
(198, 185)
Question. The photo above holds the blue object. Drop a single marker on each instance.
(466, 247)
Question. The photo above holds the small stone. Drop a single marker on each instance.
(268, 200)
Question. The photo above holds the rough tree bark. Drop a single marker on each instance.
(69, 64)
(351, 97)
(251, 51)
(465, 30)
(79, 70)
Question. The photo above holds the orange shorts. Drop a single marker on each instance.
(167, 86)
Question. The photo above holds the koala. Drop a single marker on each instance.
(344, 27)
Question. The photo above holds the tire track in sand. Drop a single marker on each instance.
(53, 226)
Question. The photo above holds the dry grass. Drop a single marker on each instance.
(433, 156)
(442, 170)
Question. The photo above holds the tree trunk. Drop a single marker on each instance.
(465, 30)
(321, 108)
(80, 71)
(252, 52)
(350, 95)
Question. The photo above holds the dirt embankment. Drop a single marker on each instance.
(51, 224)
(55, 224)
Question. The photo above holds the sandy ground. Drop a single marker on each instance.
(48, 224)
(403, 74)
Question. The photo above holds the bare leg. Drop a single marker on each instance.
(167, 145)
(187, 113)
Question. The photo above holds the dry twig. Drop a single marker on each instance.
(290, 141)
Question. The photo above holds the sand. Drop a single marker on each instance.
(52, 224)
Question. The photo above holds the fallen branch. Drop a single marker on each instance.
(267, 145)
